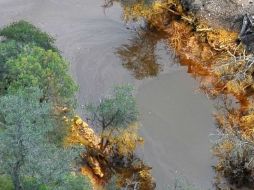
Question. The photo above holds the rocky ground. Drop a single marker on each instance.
(228, 13)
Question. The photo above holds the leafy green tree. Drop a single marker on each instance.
(114, 112)
(8, 50)
(25, 32)
(45, 69)
(25, 151)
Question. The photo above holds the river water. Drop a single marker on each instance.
(176, 120)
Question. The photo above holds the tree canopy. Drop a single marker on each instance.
(117, 110)
(25, 149)
(45, 69)
(25, 32)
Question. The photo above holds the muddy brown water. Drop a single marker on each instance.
(175, 119)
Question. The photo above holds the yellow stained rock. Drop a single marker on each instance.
(81, 133)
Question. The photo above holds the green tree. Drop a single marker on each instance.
(25, 150)
(114, 112)
(8, 50)
(25, 32)
(45, 69)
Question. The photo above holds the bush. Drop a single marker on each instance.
(25, 32)
(235, 155)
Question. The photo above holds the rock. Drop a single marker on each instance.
(191, 5)
(226, 13)
(247, 32)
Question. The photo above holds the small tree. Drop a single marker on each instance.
(114, 112)
(25, 151)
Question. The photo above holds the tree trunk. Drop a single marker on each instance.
(16, 177)
(17, 183)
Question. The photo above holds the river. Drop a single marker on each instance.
(176, 120)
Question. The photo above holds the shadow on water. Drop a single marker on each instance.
(140, 55)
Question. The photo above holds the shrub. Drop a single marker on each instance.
(235, 155)
(25, 32)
